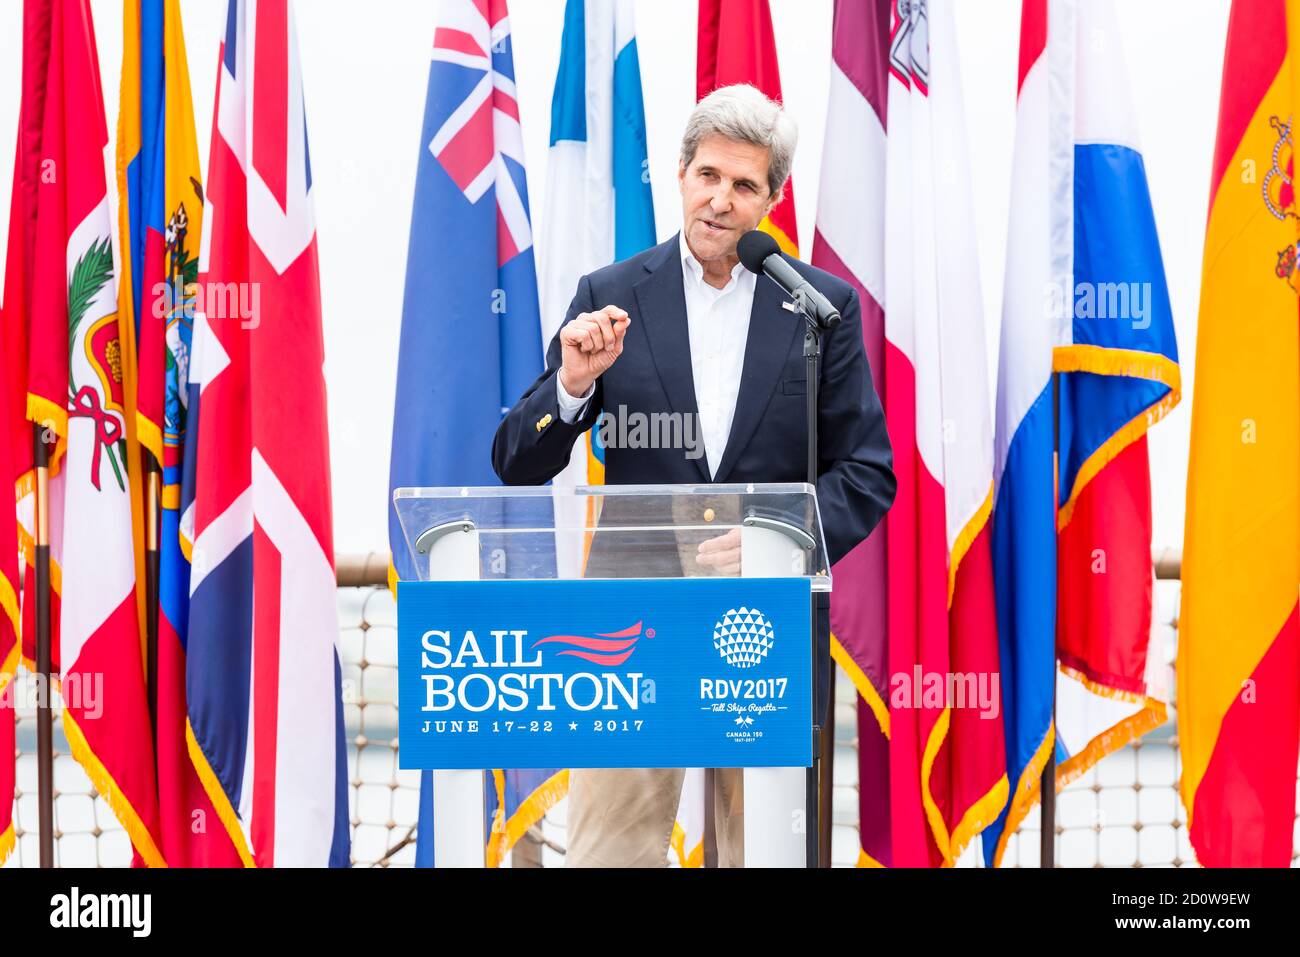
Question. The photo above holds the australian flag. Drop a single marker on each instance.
(471, 329)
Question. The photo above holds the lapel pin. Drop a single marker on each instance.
(788, 306)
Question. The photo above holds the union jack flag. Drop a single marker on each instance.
(263, 681)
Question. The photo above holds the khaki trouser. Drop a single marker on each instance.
(623, 817)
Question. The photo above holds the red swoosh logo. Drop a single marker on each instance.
(610, 648)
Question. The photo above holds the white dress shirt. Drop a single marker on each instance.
(717, 324)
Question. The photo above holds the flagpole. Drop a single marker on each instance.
(1047, 785)
(152, 480)
(44, 653)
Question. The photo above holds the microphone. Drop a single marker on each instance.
(760, 254)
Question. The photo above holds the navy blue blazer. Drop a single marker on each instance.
(768, 440)
(855, 484)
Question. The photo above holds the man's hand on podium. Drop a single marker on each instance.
(590, 344)
(722, 553)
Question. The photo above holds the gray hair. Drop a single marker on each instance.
(741, 112)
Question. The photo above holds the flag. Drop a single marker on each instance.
(15, 430)
(79, 391)
(20, 258)
(478, 290)
(598, 204)
(10, 629)
(8, 767)
(1086, 299)
(1238, 635)
(160, 215)
(263, 683)
(736, 45)
(849, 241)
(912, 614)
(516, 801)
(687, 840)
(947, 766)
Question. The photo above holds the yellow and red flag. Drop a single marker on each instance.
(737, 45)
(1239, 639)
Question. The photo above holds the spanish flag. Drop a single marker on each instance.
(1239, 640)
(736, 45)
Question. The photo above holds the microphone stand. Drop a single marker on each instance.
(817, 790)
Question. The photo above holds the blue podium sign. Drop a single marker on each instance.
(601, 673)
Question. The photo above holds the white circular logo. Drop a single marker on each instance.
(743, 637)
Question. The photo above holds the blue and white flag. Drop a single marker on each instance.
(598, 211)
(598, 204)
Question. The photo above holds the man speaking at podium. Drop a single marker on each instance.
(684, 328)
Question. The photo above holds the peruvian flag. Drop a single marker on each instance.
(65, 307)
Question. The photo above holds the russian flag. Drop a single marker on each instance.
(1085, 299)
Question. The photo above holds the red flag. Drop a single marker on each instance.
(736, 45)
(15, 431)
(9, 641)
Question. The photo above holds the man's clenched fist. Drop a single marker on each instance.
(590, 344)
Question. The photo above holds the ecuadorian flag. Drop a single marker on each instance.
(160, 221)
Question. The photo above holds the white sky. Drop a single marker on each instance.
(365, 72)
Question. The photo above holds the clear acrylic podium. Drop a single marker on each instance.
(618, 532)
